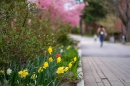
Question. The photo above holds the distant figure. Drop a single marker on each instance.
(102, 33)
(123, 39)
(95, 37)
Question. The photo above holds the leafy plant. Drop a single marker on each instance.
(45, 70)
(24, 34)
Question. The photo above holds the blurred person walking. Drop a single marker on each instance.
(102, 33)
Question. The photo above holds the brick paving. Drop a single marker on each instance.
(106, 71)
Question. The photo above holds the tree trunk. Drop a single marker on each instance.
(127, 22)
(82, 28)
(128, 32)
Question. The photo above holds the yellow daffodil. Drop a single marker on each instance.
(45, 65)
(60, 70)
(50, 59)
(9, 71)
(23, 73)
(58, 59)
(75, 59)
(34, 76)
(50, 49)
(66, 69)
(40, 69)
(68, 48)
(70, 65)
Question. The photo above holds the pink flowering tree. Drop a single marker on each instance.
(68, 10)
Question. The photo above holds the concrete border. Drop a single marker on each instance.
(81, 83)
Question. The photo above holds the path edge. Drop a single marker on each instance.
(80, 69)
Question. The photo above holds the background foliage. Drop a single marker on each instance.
(109, 23)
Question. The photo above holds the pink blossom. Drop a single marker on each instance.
(68, 10)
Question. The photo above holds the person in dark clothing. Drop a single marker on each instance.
(102, 34)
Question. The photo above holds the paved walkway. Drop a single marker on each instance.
(106, 66)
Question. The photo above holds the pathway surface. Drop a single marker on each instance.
(106, 66)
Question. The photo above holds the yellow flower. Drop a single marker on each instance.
(40, 69)
(45, 65)
(50, 49)
(60, 70)
(68, 48)
(50, 59)
(20, 72)
(34, 76)
(70, 65)
(66, 69)
(58, 59)
(23, 73)
(75, 59)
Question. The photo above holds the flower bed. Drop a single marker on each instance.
(51, 69)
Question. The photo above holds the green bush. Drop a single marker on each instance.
(63, 39)
(25, 35)
(76, 30)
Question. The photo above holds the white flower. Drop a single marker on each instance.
(9, 71)
(61, 51)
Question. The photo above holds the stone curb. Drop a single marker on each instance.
(81, 83)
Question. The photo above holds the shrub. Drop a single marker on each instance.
(76, 30)
(26, 35)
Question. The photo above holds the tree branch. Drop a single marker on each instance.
(26, 16)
